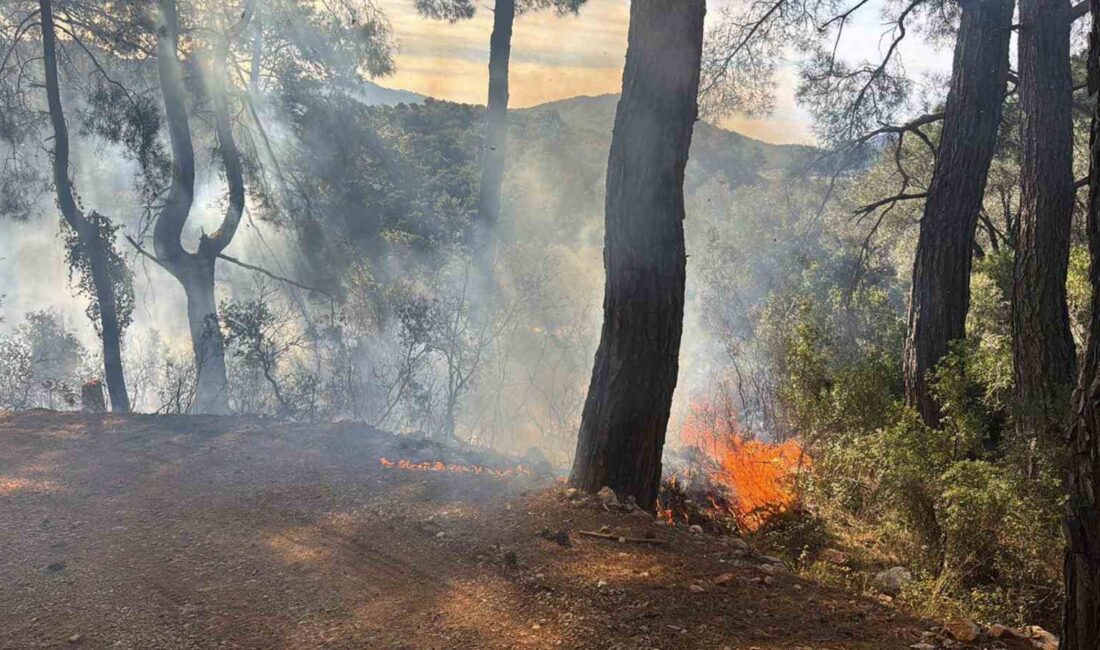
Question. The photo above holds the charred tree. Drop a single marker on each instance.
(92, 234)
(195, 270)
(940, 296)
(622, 431)
(1081, 625)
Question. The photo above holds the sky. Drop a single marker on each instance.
(558, 57)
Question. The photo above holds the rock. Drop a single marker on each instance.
(75, 638)
(695, 529)
(739, 544)
(891, 581)
(561, 538)
(698, 589)
(725, 579)
(570, 493)
(1040, 638)
(607, 496)
(963, 630)
(54, 567)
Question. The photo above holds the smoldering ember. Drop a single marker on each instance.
(620, 324)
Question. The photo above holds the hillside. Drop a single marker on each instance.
(235, 532)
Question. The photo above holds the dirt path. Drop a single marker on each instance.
(176, 532)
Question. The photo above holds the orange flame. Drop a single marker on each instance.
(438, 466)
(758, 475)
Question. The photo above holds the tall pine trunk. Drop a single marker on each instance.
(88, 234)
(940, 295)
(496, 128)
(1081, 625)
(626, 413)
(1045, 358)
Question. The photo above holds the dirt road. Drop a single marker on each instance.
(194, 532)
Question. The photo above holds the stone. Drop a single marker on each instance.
(891, 581)
(571, 493)
(75, 638)
(1040, 638)
(695, 529)
(698, 589)
(963, 630)
(739, 544)
(998, 631)
(607, 496)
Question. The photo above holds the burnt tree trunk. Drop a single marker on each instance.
(626, 413)
(195, 271)
(496, 127)
(88, 233)
(1044, 354)
(940, 295)
(1081, 625)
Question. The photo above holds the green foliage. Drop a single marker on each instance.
(798, 534)
(78, 258)
(41, 364)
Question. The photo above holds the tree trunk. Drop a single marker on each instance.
(1045, 358)
(109, 329)
(195, 271)
(496, 126)
(1081, 625)
(626, 413)
(212, 389)
(940, 295)
(87, 233)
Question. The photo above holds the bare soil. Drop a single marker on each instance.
(202, 532)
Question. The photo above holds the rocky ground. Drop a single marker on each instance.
(197, 532)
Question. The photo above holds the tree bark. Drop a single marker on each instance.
(626, 412)
(1081, 625)
(940, 294)
(195, 271)
(1044, 353)
(496, 126)
(87, 233)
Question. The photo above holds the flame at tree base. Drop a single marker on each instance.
(736, 476)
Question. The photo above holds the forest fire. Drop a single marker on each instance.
(454, 468)
(746, 479)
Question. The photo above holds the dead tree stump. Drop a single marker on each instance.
(92, 399)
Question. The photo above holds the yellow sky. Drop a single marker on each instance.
(552, 58)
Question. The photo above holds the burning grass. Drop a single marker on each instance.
(728, 475)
